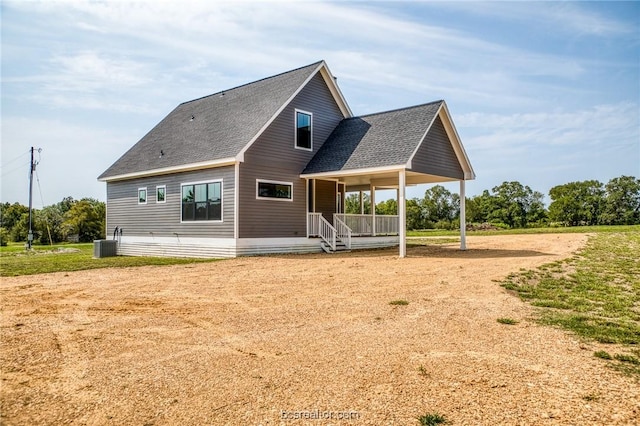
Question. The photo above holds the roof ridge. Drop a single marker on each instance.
(253, 82)
(398, 109)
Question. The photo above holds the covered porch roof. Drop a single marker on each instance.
(393, 150)
(370, 150)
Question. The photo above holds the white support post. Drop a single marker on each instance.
(373, 210)
(463, 217)
(402, 213)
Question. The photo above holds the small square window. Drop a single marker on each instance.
(142, 195)
(161, 192)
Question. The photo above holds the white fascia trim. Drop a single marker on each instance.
(354, 172)
(335, 91)
(173, 169)
(469, 174)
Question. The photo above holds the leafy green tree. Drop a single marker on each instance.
(388, 207)
(49, 224)
(479, 207)
(4, 236)
(622, 202)
(352, 203)
(86, 218)
(439, 204)
(414, 215)
(516, 205)
(576, 203)
(20, 229)
(10, 216)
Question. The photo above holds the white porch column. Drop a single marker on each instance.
(373, 210)
(463, 217)
(402, 212)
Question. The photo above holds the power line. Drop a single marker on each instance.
(14, 169)
(15, 159)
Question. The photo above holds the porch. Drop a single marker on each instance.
(346, 227)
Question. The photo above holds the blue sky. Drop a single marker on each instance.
(543, 93)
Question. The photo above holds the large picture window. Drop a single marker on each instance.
(304, 130)
(274, 190)
(202, 201)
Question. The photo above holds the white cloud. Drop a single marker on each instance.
(565, 17)
(251, 40)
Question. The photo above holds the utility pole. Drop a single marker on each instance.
(32, 168)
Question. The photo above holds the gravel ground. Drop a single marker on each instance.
(266, 340)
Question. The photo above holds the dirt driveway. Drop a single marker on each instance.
(266, 340)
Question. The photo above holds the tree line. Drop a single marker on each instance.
(509, 205)
(69, 220)
(513, 205)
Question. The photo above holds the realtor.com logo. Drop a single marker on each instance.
(319, 415)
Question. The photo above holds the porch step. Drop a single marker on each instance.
(340, 246)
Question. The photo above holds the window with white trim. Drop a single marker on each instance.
(304, 130)
(161, 194)
(274, 190)
(202, 201)
(142, 195)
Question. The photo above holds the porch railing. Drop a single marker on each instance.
(387, 224)
(343, 231)
(362, 224)
(319, 227)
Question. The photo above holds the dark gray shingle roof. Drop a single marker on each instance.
(222, 125)
(375, 140)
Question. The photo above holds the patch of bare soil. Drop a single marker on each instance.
(266, 340)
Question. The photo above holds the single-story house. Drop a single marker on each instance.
(264, 168)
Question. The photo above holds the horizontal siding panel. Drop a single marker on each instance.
(163, 219)
(274, 157)
(436, 155)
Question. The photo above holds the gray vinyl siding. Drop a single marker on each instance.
(274, 157)
(436, 155)
(326, 199)
(164, 219)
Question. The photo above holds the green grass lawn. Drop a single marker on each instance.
(15, 260)
(595, 294)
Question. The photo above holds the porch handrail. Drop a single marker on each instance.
(343, 231)
(319, 227)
